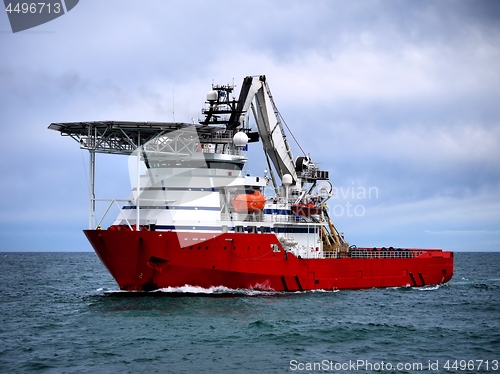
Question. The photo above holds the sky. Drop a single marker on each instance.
(398, 99)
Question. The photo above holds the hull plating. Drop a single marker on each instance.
(148, 260)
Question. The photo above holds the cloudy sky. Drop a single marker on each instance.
(399, 100)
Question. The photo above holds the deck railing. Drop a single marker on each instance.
(258, 217)
(368, 253)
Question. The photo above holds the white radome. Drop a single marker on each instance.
(240, 139)
(287, 180)
(212, 95)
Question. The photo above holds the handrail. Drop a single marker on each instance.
(109, 207)
(363, 253)
(258, 217)
(368, 253)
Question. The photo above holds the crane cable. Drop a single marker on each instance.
(280, 118)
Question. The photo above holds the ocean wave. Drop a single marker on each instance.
(219, 290)
(216, 290)
(479, 284)
(322, 291)
(188, 290)
(261, 324)
(429, 288)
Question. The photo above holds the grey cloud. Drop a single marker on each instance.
(401, 95)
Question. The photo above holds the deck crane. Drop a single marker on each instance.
(301, 175)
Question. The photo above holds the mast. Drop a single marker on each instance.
(137, 204)
(91, 188)
(255, 94)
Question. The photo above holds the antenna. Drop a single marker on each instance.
(173, 103)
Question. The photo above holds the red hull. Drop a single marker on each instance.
(148, 260)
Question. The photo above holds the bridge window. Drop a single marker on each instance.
(224, 165)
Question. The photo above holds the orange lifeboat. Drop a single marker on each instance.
(253, 202)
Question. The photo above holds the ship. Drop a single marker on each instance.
(196, 216)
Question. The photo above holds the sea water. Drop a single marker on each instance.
(63, 313)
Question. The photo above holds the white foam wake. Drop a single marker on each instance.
(216, 290)
(429, 288)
